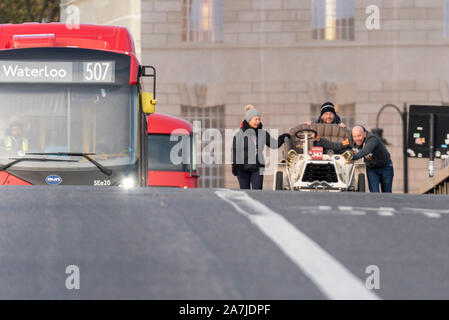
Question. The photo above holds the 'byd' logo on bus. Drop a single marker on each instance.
(53, 180)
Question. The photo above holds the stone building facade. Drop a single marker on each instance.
(287, 57)
(107, 12)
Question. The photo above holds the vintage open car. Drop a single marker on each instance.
(307, 166)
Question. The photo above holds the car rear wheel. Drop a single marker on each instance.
(279, 180)
(361, 183)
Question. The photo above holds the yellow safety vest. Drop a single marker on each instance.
(9, 144)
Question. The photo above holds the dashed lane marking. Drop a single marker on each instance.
(361, 211)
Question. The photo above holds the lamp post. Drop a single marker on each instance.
(377, 131)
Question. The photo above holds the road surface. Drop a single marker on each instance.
(163, 243)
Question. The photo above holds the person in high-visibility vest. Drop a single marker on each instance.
(15, 142)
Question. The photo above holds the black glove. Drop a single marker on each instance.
(282, 137)
(235, 172)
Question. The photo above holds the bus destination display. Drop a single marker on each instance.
(57, 72)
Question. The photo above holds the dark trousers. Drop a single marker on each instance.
(250, 178)
(382, 177)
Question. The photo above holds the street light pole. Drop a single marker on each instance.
(403, 115)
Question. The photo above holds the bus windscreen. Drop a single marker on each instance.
(68, 118)
(160, 152)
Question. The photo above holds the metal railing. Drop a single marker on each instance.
(438, 185)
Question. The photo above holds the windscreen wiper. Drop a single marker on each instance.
(86, 156)
(17, 160)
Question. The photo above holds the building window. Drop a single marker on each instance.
(333, 19)
(202, 20)
(211, 176)
(345, 111)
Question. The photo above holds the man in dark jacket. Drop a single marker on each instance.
(379, 167)
(247, 150)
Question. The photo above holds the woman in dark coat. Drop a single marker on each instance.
(247, 150)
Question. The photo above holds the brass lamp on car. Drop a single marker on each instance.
(348, 155)
(291, 155)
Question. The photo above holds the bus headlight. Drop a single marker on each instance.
(128, 183)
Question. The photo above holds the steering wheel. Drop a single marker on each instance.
(303, 133)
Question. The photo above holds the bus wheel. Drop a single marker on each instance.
(361, 183)
(279, 180)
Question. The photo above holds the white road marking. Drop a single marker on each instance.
(312, 209)
(352, 211)
(431, 213)
(386, 211)
(333, 279)
(359, 211)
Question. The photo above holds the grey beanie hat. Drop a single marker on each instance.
(251, 113)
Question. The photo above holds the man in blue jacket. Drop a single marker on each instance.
(368, 146)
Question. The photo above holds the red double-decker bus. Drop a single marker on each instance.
(72, 110)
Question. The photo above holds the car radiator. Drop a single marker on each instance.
(320, 172)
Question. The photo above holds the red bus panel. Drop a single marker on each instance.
(171, 179)
(7, 179)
